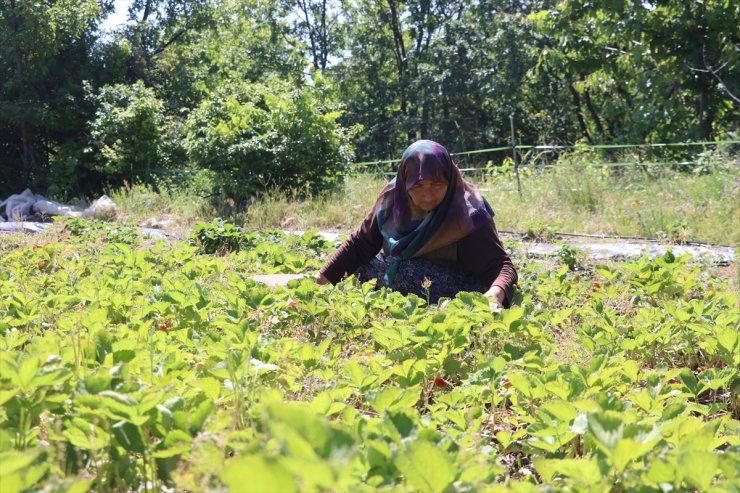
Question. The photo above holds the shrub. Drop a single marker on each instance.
(128, 132)
(260, 136)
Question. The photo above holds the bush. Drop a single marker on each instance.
(261, 136)
(128, 132)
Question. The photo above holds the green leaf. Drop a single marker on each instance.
(583, 470)
(393, 397)
(698, 468)
(48, 377)
(6, 395)
(727, 338)
(81, 486)
(177, 442)
(426, 467)
(13, 461)
(198, 418)
(690, 382)
(512, 317)
(402, 422)
(123, 355)
(129, 436)
(628, 450)
(267, 474)
(18, 471)
(97, 382)
(561, 410)
(673, 410)
(631, 369)
(26, 372)
(91, 439)
(504, 439)
(6, 443)
(210, 387)
(548, 443)
(606, 428)
(662, 471)
(378, 453)
(646, 402)
(324, 438)
(525, 384)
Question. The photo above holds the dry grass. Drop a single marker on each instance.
(670, 205)
(674, 206)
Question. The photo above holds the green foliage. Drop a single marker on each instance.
(642, 72)
(92, 230)
(217, 236)
(570, 256)
(187, 86)
(122, 365)
(128, 132)
(45, 54)
(257, 136)
(272, 251)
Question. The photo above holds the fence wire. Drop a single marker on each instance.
(381, 168)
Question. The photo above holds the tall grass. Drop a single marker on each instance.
(663, 203)
(668, 204)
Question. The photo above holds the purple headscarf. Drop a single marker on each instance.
(462, 211)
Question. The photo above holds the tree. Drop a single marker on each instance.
(640, 71)
(446, 69)
(155, 26)
(45, 49)
(321, 25)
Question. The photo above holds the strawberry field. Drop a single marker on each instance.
(129, 364)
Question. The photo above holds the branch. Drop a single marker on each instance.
(305, 8)
(715, 73)
(169, 42)
(400, 49)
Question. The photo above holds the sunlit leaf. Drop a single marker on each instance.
(426, 467)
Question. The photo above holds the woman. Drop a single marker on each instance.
(430, 233)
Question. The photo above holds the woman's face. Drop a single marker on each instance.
(426, 195)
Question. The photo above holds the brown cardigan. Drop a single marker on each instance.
(480, 254)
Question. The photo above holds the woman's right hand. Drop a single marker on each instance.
(321, 279)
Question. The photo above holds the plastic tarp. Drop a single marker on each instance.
(626, 250)
(608, 250)
(596, 250)
(21, 206)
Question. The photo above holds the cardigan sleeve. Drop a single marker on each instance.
(361, 246)
(482, 254)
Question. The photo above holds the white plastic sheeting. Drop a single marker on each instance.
(25, 204)
(616, 250)
(627, 250)
(596, 250)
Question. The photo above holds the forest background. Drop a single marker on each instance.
(231, 97)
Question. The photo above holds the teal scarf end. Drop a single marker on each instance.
(390, 273)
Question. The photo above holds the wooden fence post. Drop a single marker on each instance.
(516, 156)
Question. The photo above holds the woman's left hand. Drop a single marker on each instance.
(496, 295)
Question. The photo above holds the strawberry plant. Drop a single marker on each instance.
(164, 367)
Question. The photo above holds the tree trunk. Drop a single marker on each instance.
(705, 114)
(425, 120)
(594, 114)
(25, 130)
(579, 113)
(400, 54)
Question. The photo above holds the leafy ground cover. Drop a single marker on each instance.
(130, 365)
